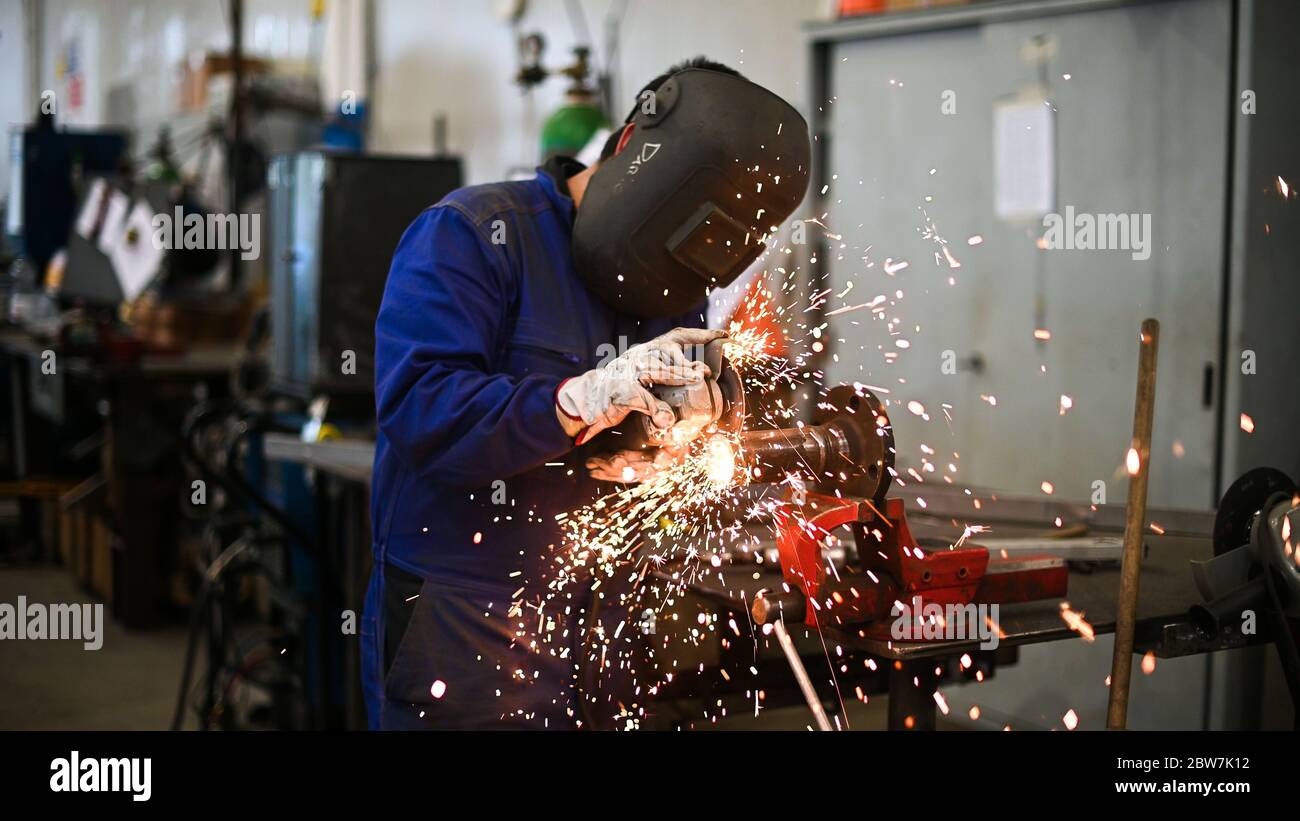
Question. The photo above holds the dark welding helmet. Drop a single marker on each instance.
(713, 165)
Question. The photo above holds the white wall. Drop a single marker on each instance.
(141, 45)
(13, 78)
(455, 57)
(451, 57)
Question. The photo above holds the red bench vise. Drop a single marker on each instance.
(889, 567)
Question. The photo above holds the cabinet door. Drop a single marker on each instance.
(1139, 96)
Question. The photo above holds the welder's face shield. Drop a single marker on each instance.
(713, 164)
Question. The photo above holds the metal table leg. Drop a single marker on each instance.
(911, 695)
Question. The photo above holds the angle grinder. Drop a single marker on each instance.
(850, 443)
(715, 404)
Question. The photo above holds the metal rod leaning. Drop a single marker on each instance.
(1138, 462)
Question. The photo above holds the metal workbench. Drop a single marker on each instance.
(1164, 627)
(1167, 591)
(351, 459)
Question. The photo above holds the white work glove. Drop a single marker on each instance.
(602, 397)
(632, 466)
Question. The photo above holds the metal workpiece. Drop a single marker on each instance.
(850, 445)
(816, 450)
(776, 605)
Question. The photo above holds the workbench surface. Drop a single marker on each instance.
(1167, 592)
(1167, 589)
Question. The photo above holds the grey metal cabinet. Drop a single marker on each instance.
(1139, 97)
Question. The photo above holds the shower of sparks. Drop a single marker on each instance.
(638, 548)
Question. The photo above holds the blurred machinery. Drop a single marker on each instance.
(335, 221)
(272, 577)
(47, 166)
(263, 583)
(1254, 577)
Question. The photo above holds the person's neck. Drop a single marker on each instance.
(578, 184)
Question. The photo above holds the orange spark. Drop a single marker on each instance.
(1077, 623)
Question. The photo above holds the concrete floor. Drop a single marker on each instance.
(128, 684)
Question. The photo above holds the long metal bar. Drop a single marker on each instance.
(801, 676)
(1139, 463)
(949, 17)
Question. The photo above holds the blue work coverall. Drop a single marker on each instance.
(483, 317)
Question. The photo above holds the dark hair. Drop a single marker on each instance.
(695, 62)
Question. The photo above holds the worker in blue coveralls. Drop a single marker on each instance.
(519, 321)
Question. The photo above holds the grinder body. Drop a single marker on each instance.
(717, 403)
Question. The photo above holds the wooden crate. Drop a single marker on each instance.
(100, 560)
(72, 542)
(80, 517)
